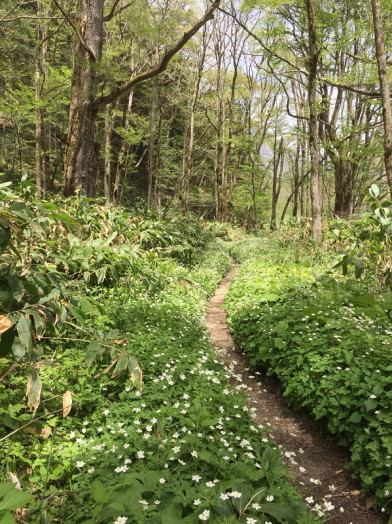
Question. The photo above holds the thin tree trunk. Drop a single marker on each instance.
(151, 140)
(188, 149)
(278, 164)
(108, 153)
(385, 91)
(119, 179)
(313, 124)
(41, 167)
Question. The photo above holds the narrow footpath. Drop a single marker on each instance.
(313, 457)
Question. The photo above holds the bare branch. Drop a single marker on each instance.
(353, 89)
(113, 11)
(159, 68)
(4, 20)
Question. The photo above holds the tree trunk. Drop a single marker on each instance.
(41, 166)
(385, 91)
(278, 164)
(188, 148)
(313, 124)
(151, 141)
(119, 179)
(108, 154)
(344, 187)
(81, 156)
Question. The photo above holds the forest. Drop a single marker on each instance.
(152, 152)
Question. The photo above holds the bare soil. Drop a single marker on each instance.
(316, 461)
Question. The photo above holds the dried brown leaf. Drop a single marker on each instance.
(5, 324)
(105, 371)
(67, 403)
(33, 391)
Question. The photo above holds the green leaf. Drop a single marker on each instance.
(370, 404)
(15, 499)
(172, 514)
(358, 268)
(6, 342)
(374, 190)
(121, 365)
(355, 417)
(289, 514)
(93, 350)
(99, 493)
(25, 332)
(6, 517)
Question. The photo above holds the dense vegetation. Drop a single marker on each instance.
(133, 415)
(327, 338)
(269, 115)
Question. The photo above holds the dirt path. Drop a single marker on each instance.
(314, 458)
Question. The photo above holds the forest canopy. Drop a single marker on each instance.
(250, 112)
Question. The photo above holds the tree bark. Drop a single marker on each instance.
(41, 167)
(385, 91)
(119, 179)
(151, 141)
(313, 123)
(81, 158)
(108, 153)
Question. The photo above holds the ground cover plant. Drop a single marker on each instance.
(327, 338)
(130, 417)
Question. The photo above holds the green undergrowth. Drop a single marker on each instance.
(155, 432)
(328, 339)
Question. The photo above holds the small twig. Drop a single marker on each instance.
(9, 370)
(31, 421)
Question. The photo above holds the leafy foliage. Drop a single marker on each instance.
(366, 244)
(328, 342)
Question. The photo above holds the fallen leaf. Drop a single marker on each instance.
(369, 503)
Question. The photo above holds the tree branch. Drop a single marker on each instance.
(89, 51)
(159, 68)
(113, 11)
(353, 89)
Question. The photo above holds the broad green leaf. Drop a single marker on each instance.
(99, 493)
(6, 517)
(14, 500)
(374, 190)
(25, 332)
(172, 514)
(121, 365)
(6, 342)
(355, 417)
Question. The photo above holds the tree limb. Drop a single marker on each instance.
(353, 89)
(115, 12)
(159, 68)
(69, 20)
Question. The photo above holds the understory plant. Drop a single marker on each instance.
(137, 421)
(327, 338)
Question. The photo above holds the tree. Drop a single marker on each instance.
(82, 150)
(313, 123)
(385, 91)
